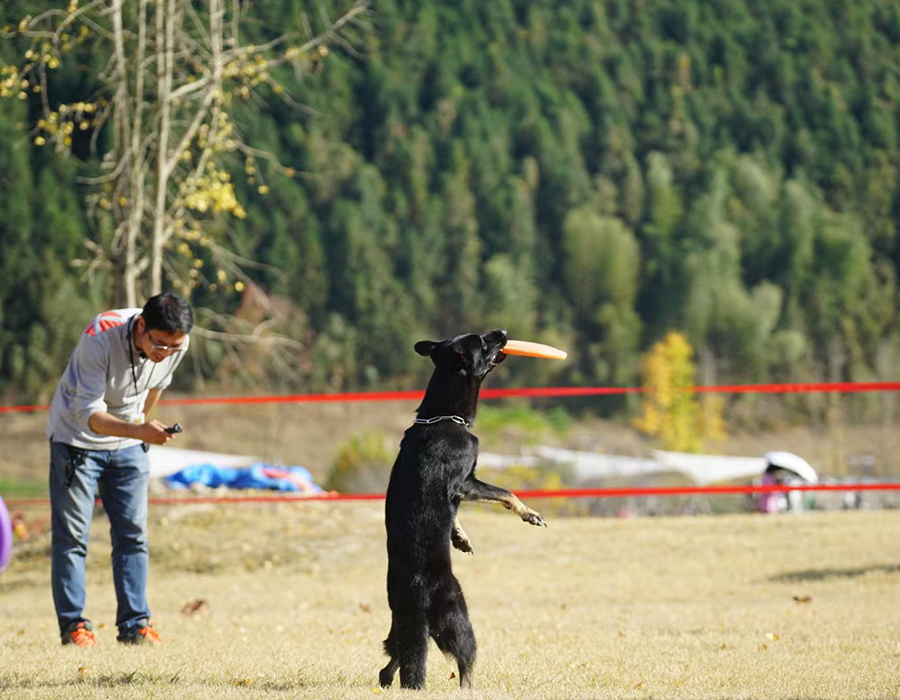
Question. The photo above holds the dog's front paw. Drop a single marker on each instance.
(534, 518)
(459, 540)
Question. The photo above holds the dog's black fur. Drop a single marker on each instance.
(434, 471)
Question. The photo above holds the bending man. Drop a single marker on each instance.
(99, 434)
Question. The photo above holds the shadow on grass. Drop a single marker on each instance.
(155, 680)
(826, 574)
(175, 678)
(104, 681)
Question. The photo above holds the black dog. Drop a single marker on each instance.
(434, 471)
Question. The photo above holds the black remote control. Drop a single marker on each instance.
(174, 428)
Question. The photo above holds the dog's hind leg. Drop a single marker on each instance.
(410, 634)
(386, 677)
(452, 631)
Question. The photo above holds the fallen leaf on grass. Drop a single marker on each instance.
(772, 636)
(803, 598)
(452, 675)
(365, 607)
(194, 607)
(244, 681)
(20, 532)
(377, 690)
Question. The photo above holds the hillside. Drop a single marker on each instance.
(585, 174)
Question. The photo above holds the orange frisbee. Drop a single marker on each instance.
(529, 349)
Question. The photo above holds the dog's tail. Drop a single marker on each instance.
(390, 646)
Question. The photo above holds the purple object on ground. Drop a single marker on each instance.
(6, 535)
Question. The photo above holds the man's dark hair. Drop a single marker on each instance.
(168, 313)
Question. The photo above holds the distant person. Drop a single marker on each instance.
(769, 501)
(100, 431)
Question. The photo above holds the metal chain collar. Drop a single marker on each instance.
(436, 419)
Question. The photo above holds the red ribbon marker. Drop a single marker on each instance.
(534, 392)
(555, 493)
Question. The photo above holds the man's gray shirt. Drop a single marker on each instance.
(106, 373)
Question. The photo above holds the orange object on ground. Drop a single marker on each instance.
(529, 349)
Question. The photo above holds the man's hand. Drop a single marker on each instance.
(154, 432)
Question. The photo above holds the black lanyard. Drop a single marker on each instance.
(131, 359)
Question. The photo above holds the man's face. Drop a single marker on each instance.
(157, 345)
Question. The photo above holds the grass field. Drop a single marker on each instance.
(732, 606)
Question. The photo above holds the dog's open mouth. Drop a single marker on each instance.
(498, 357)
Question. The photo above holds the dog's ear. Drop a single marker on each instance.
(426, 347)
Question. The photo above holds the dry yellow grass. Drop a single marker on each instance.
(587, 608)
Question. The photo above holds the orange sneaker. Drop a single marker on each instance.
(144, 634)
(81, 634)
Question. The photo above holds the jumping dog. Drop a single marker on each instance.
(433, 473)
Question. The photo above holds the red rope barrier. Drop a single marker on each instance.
(814, 387)
(23, 409)
(304, 398)
(534, 392)
(536, 494)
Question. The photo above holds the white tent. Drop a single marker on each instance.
(701, 469)
(590, 465)
(710, 469)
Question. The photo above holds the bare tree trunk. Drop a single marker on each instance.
(163, 223)
(165, 63)
(137, 147)
(132, 222)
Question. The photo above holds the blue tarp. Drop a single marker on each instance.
(256, 476)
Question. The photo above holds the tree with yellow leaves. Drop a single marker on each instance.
(173, 71)
(671, 411)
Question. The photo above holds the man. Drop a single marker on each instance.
(99, 434)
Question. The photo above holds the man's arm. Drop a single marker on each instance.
(153, 432)
(152, 399)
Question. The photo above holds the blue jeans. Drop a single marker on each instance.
(122, 477)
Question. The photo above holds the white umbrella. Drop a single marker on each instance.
(792, 463)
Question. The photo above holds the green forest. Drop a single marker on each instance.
(590, 174)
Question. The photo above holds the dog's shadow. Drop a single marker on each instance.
(827, 574)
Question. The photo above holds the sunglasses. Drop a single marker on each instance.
(161, 347)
